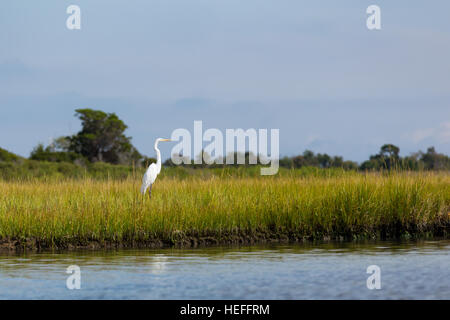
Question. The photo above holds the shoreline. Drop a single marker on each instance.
(192, 242)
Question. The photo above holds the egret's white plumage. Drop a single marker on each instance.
(153, 170)
(149, 177)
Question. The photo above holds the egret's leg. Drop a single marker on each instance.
(150, 191)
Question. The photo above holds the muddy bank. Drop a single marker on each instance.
(179, 239)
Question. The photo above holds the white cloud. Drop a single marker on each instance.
(444, 135)
(440, 134)
(422, 134)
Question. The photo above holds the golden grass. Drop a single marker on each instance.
(61, 212)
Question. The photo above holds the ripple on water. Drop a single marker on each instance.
(417, 270)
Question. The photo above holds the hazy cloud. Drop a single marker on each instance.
(308, 68)
(440, 134)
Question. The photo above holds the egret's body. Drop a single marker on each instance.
(153, 170)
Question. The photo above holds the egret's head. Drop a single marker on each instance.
(159, 140)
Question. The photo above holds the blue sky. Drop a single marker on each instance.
(310, 68)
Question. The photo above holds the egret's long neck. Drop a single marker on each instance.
(158, 157)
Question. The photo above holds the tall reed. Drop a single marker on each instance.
(59, 212)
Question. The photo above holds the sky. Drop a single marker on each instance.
(311, 69)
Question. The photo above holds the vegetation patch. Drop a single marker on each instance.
(220, 208)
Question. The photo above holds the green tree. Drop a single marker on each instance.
(102, 138)
(435, 161)
(387, 158)
(325, 161)
(53, 153)
(390, 155)
(7, 156)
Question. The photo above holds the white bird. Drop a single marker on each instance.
(153, 170)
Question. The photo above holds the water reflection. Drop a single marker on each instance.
(412, 269)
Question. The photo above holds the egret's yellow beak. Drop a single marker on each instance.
(166, 140)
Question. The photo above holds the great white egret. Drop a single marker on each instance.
(153, 170)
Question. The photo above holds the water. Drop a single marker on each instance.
(413, 270)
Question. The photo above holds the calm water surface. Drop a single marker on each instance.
(411, 270)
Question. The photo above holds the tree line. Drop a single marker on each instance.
(387, 158)
(102, 139)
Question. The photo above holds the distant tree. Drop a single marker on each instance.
(390, 155)
(435, 161)
(61, 144)
(287, 162)
(54, 154)
(298, 161)
(338, 162)
(372, 164)
(390, 151)
(307, 159)
(146, 161)
(412, 162)
(324, 160)
(102, 138)
(387, 158)
(8, 156)
(310, 158)
(349, 165)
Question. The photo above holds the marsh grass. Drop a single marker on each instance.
(64, 212)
